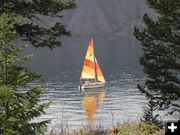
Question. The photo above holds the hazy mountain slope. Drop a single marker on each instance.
(89, 18)
(105, 17)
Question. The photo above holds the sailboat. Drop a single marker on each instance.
(91, 76)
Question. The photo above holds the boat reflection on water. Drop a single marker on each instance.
(92, 103)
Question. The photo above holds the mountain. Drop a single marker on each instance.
(105, 17)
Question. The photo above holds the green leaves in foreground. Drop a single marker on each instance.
(126, 128)
(34, 28)
(160, 41)
(17, 110)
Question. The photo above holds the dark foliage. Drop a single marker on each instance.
(160, 41)
(17, 110)
(31, 29)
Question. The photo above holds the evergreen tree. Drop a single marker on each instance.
(149, 115)
(160, 41)
(17, 110)
(33, 29)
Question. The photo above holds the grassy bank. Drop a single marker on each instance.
(122, 129)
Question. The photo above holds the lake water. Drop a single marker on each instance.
(119, 101)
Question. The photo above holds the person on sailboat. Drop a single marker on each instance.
(87, 82)
(90, 81)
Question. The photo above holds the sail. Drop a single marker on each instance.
(88, 71)
(100, 76)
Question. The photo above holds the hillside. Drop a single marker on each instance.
(105, 17)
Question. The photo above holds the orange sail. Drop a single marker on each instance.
(88, 71)
(100, 76)
(91, 68)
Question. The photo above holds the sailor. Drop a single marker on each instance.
(87, 82)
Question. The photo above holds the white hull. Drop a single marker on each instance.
(95, 85)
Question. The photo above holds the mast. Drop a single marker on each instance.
(94, 63)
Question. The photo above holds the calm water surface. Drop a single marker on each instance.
(119, 101)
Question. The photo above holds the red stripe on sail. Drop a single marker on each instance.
(91, 43)
(97, 66)
(89, 63)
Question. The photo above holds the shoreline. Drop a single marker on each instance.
(126, 128)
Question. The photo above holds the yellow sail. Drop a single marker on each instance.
(88, 71)
(100, 76)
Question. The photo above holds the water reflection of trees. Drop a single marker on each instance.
(92, 103)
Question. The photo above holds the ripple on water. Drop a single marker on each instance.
(122, 100)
